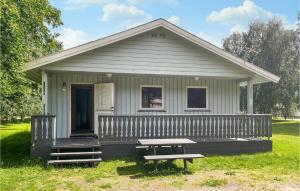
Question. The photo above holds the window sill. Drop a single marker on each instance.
(151, 110)
(199, 110)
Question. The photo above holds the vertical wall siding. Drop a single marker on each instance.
(223, 95)
(146, 54)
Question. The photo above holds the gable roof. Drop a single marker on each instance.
(265, 75)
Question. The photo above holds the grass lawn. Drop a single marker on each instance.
(277, 170)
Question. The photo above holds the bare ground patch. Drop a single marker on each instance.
(203, 180)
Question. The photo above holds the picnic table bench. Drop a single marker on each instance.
(173, 143)
(185, 157)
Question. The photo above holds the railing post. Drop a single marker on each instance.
(269, 126)
(33, 131)
(54, 130)
(98, 128)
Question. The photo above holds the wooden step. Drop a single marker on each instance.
(76, 153)
(76, 146)
(83, 135)
(74, 161)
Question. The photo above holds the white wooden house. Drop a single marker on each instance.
(154, 80)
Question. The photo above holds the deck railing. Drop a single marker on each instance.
(43, 129)
(197, 127)
(129, 128)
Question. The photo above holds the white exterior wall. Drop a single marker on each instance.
(157, 57)
(223, 94)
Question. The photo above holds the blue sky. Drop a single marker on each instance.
(86, 20)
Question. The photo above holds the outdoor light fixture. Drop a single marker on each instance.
(64, 86)
(196, 78)
(109, 75)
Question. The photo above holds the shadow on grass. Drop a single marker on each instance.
(147, 169)
(17, 121)
(7, 129)
(15, 151)
(286, 127)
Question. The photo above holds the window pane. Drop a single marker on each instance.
(196, 97)
(151, 97)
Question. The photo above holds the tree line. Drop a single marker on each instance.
(27, 33)
(272, 47)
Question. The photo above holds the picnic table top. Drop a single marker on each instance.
(159, 142)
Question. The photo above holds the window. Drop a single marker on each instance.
(196, 97)
(151, 97)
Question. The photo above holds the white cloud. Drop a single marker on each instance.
(238, 17)
(246, 12)
(291, 26)
(238, 29)
(71, 37)
(114, 11)
(208, 38)
(80, 4)
(172, 2)
(127, 15)
(174, 19)
(128, 25)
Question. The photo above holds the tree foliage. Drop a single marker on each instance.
(25, 35)
(275, 49)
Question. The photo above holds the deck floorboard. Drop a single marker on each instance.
(82, 142)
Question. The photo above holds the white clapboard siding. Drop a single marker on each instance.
(223, 94)
(144, 54)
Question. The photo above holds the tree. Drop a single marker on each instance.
(270, 46)
(25, 35)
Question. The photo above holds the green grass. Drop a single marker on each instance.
(15, 143)
(18, 172)
(105, 186)
(214, 182)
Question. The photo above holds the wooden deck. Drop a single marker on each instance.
(87, 142)
(79, 142)
(118, 134)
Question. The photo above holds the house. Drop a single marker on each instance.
(154, 80)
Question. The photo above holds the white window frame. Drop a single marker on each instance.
(206, 97)
(162, 95)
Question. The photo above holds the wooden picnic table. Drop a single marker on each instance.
(160, 142)
(173, 143)
(154, 143)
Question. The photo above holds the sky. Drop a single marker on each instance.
(212, 20)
